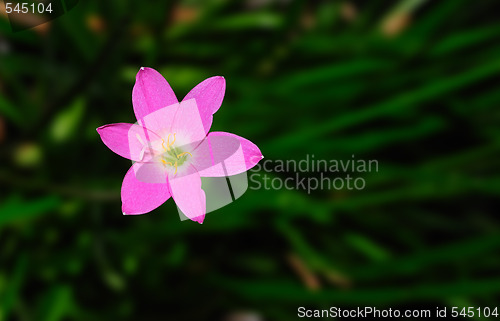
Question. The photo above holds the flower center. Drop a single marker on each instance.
(173, 156)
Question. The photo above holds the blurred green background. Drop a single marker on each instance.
(412, 84)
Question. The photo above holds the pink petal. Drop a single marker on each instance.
(209, 95)
(188, 195)
(225, 154)
(188, 125)
(151, 92)
(160, 121)
(152, 173)
(139, 197)
(127, 140)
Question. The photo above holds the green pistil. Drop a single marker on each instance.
(175, 154)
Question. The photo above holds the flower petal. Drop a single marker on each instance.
(225, 154)
(151, 173)
(151, 92)
(128, 140)
(188, 195)
(139, 197)
(188, 125)
(209, 95)
(160, 121)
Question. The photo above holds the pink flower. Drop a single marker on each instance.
(172, 148)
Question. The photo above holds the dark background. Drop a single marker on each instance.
(413, 84)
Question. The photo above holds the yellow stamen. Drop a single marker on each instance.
(169, 144)
(168, 141)
(184, 153)
(167, 148)
(170, 164)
